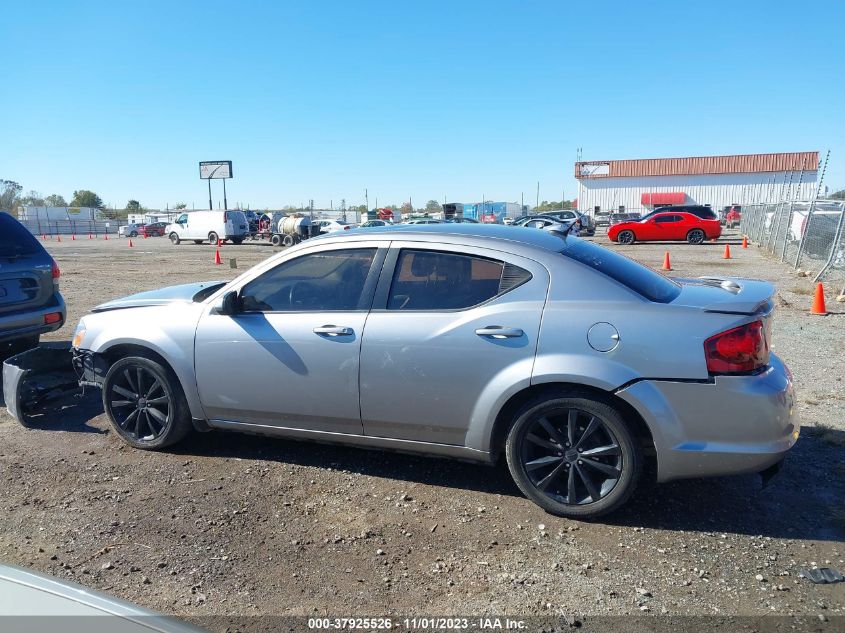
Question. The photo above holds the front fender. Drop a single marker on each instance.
(166, 330)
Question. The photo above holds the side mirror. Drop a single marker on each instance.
(230, 304)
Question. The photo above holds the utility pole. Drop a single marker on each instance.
(538, 195)
(367, 200)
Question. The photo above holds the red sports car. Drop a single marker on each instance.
(152, 230)
(671, 225)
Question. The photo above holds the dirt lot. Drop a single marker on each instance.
(232, 524)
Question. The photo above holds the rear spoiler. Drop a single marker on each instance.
(746, 296)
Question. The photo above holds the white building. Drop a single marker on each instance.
(59, 213)
(637, 186)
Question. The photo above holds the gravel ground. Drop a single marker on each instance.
(233, 524)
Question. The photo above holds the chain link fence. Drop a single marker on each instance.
(805, 234)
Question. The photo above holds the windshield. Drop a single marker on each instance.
(641, 279)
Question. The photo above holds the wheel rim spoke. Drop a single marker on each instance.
(570, 488)
(128, 419)
(541, 442)
(610, 471)
(122, 403)
(543, 461)
(592, 489)
(546, 481)
(152, 390)
(552, 431)
(129, 380)
(160, 400)
(591, 428)
(611, 450)
(571, 423)
(139, 375)
(158, 415)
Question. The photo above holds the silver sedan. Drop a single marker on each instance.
(573, 362)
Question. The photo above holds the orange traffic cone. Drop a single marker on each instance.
(130, 243)
(217, 257)
(58, 238)
(727, 254)
(744, 241)
(818, 301)
(145, 236)
(219, 242)
(73, 237)
(667, 265)
(90, 237)
(43, 238)
(106, 236)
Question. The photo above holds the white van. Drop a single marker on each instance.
(212, 226)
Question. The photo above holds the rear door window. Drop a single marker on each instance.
(434, 280)
(15, 239)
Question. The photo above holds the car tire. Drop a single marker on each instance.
(599, 483)
(213, 238)
(133, 234)
(696, 236)
(145, 403)
(626, 237)
(287, 240)
(237, 240)
(276, 239)
(197, 241)
(174, 239)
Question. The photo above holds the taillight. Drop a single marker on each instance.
(739, 350)
(346, 228)
(52, 317)
(56, 273)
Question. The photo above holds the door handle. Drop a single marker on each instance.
(497, 331)
(334, 330)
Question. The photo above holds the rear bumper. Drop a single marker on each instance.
(17, 325)
(732, 425)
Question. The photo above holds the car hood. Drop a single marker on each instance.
(729, 295)
(184, 293)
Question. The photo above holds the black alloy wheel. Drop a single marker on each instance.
(145, 403)
(626, 237)
(696, 236)
(573, 456)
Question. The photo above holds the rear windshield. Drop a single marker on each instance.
(641, 279)
(15, 239)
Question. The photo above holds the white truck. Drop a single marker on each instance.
(211, 226)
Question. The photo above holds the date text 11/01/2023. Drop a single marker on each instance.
(417, 623)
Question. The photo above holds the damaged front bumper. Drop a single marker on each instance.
(37, 376)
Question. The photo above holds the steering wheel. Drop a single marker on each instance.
(302, 292)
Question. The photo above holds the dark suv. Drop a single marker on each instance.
(30, 303)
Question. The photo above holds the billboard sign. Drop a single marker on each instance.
(211, 169)
(595, 169)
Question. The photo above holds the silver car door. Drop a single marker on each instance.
(289, 357)
(449, 325)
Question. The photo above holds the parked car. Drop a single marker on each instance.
(156, 229)
(39, 603)
(616, 218)
(588, 226)
(666, 226)
(330, 226)
(30, 302)
(211, 226)
(554, 359)
(462, 221)
(129, 230)
(424, 221)
(371, 223)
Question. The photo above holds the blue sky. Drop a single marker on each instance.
(409, 100)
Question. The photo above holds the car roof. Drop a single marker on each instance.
(457, 232)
